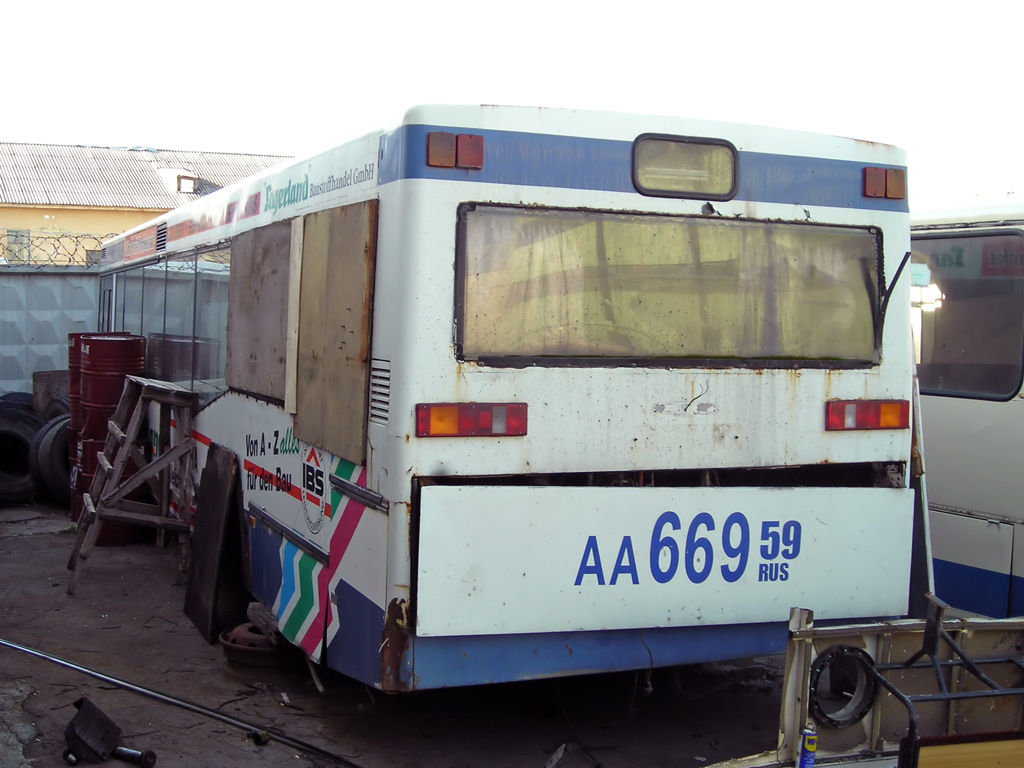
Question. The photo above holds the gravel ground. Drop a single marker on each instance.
(126, 622)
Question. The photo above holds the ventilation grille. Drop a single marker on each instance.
(380, 390)
(161, 237)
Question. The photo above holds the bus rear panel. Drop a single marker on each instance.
(528, 393)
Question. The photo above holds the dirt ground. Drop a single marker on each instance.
(126, 622)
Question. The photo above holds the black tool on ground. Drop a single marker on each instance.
(92, 737)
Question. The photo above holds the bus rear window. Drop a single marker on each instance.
(969, 314)
(544, 283)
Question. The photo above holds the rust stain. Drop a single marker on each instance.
(369, 269)
(395, 639)
(867, 143)
(408, 525)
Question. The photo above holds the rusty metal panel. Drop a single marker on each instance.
(336, 298)
(258, 310)
(900, 652)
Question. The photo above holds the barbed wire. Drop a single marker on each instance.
(33, 248)
(25, 248)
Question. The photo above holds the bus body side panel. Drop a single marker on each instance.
(265, 562)
(975, 489)
(517, 560)
(318, 556)
(972, 560)
(973, 453)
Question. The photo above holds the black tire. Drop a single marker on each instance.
(23, 399)
(16, 410)
(17, 429)
(53, 460)
(59, 406)
(33, 461)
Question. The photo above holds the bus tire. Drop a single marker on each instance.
(16, 433)
(53, 460)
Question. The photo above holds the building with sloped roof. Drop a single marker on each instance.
(57, 206)
(58, 203)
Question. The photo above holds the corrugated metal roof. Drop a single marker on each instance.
(116, 177)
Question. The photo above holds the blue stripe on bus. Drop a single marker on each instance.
(288, 584)
(355, 649)
(972, 589)
(1016, 596)
(573, 162)
(265, 559)
(436, 662)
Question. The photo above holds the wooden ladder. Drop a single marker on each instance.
(169, 475)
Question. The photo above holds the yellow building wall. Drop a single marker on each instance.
(94, 221)
(62, 234)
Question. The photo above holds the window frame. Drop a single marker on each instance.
(961, 234)
(608, 361)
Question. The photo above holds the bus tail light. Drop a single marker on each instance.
(867, 414)
(449, 150)
(470, 419)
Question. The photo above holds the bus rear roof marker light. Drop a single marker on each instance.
(874, 182)
(441, 149)
(895, 183)
(469, 151)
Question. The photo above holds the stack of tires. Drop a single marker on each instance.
(34, 461)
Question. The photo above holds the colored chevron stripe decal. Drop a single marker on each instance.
(303, 605)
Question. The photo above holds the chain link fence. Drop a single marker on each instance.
(37, 248)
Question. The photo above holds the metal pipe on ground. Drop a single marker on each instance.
(259, 734)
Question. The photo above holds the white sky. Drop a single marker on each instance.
(940, 79)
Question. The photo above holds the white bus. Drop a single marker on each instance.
(519, 393)
(969, 313)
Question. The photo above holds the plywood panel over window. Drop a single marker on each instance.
(258, 310)
(336, 298)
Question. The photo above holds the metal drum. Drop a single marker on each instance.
(87, 456)
(75, 379)
(106, 359)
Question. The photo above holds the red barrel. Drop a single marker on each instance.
(72, 447)
(75, 379)
(103, 361)
(86, 457)
(106, 359)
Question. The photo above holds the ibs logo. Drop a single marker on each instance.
(314, 490)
